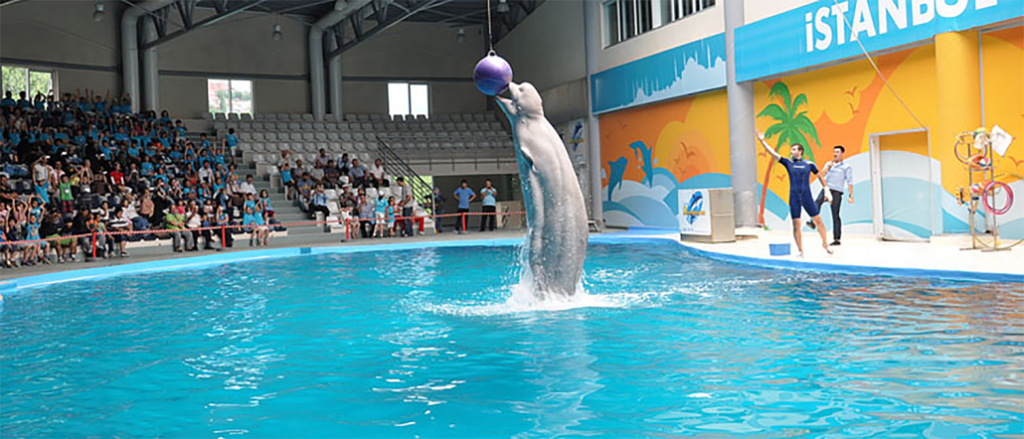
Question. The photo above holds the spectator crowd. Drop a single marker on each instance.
(82, 171)
(82, 164)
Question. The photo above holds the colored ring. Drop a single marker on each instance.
(1009, 198)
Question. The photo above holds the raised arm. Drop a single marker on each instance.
(771, 151)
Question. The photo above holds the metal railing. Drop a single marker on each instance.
(395, 166)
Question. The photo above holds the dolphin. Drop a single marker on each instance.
(618, 168)
(556, 213)
(640, 149)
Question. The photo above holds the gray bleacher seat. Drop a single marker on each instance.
(332, 135)
(246, 117)
(331, 117)
(363, 117)
(295, 136)
(358, 137)
(495, 126)
(208, 116)
(306, 126)
(366, 126)
(456, 117)
(479, 117)
(270, 136)
(320, 136)
(398, 118)
(257, 136)
(295, 117)
(347, 146)
(334, 147)
(308, 136)
(421, 117)
(220, 125)
(259, 117)
(346, 136)
(331, 126)
(308, 117)
(376, 117)
(220, 116)
(281, 127)
(378, 126)
(461, 126)
(442, 117)
(270, 116)
(319, 126)
(244, 136)
(233, 117)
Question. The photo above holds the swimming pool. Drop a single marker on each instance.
(439, 342)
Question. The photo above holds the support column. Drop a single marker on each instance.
(592, 38)
(334, 78)
(316, 72)
(742, 150)
(958, 99)
(150, 68)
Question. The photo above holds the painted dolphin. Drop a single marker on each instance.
(556, 213)
(640, 149)
(618, 168)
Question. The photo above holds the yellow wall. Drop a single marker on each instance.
(1003, 77)
(689, 136)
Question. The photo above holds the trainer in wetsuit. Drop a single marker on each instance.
(800, 190)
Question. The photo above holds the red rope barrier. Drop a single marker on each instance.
(224, 227)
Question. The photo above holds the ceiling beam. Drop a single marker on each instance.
(228, 13)
(414, 8)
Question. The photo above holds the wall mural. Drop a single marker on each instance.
(680, 71)
(847, 103)
(649, 153)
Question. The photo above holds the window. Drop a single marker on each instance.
(229, 95)
(683, 8)
(24, 79)
(625, 19)
(408, 99)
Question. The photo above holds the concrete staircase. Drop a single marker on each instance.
(286, 211)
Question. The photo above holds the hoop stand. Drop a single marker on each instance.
(975, 200)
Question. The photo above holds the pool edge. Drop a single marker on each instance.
(97, 273)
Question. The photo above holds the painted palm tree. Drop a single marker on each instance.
(790, 126)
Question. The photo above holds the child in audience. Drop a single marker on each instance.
(380, 213)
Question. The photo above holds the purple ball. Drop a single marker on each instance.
(492, 74)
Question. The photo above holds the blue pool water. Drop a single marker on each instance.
(439, 342)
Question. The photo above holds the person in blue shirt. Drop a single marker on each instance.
(40, 103)
(120, 135)
(23, 103)
(231, 140)
(490, 203)
(8, 101)
(800, 190)
(165, 118)
(465, 195)
(146, 167)
(204, 142)
(839, 176)
(254, 222)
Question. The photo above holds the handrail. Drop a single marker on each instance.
(392, 160)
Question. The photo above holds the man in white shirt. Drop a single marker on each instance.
(408, 204)
(248, 187)
(206, 173)
(377, 174)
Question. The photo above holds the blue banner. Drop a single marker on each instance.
(829, 30)
(684, 70)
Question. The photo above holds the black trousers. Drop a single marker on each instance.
(837, 202)
(487, 219)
